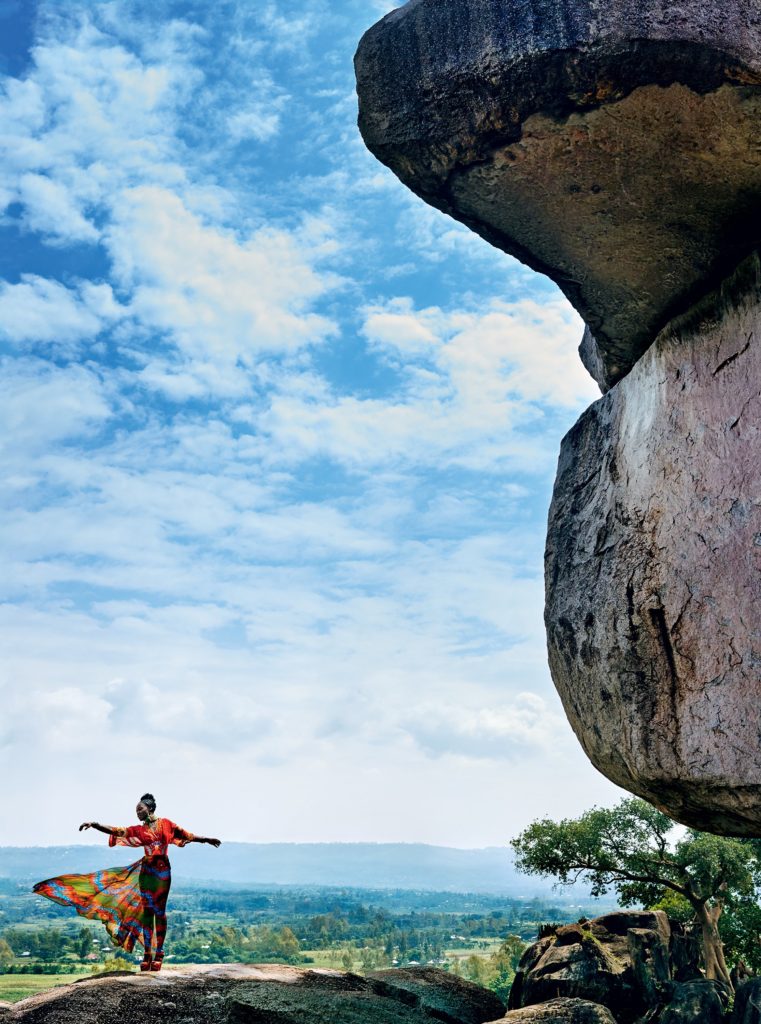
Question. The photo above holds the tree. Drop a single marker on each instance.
(6, 955)
(83, 943)
(503, 964)
(632, 848)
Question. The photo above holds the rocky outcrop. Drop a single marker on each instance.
(623, 962)
(693, 1002)
(617, 148)
(445, 996)
(266, 994)
(562, 1011)
(747, 1008)
(546, 126)
(652, 568)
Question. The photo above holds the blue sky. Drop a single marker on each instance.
(277, 440)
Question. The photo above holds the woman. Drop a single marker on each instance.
(130, 901)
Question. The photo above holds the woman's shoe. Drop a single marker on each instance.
(157, 962)
(146, 964)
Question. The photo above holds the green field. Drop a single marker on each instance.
(18, 986)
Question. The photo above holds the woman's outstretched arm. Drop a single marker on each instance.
(108, 829)
(205, 839)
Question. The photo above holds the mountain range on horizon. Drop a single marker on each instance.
(354, 865)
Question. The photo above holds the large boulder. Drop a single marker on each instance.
(613, 146)
(693, 1002)
(652, 568)
(620, 961)
(617, 148)
(561, 1011)
(747, 1008)
(266, 994)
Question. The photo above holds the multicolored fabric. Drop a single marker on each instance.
(155, 838)
(131, 901)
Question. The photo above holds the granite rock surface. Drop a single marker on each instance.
(561, 1011)
(653, 568)
(620, 961)
(262, 994)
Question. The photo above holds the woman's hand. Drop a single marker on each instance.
(214, 842)
(85, 824)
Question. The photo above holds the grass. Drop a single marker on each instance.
(18, 986)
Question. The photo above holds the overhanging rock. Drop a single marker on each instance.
(604, 144)
(616, 146)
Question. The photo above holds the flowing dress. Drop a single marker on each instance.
(130, 901)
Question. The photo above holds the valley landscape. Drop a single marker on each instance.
(399, 905)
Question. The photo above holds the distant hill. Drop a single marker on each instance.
(355, 865)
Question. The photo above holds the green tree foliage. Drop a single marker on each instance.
(632, 848)
(6, 955)
(497, 971)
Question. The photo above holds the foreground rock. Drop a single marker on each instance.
(258, 995)
(653, 568)
(446, 996)
(613, 146)
(562, 1011)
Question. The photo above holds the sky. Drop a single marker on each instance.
(277, 445)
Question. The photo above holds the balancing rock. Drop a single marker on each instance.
(616, 147)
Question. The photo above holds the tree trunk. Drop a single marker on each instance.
(713, 947)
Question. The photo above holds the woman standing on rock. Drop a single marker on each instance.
(130, 901)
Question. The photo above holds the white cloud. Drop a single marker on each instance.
(259, 116)
(42, 404)
(213, 293)
(469, 385)
(41, 310)
(508, 732)
(271, 526)
(51, 210)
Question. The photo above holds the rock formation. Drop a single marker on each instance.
(653, 559)
(621, 961)
(441, 994)
(561, 1011)
(265, 994)
(617, 148)
(747, 1009)
(628, 965)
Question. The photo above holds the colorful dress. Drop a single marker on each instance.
(130, 901)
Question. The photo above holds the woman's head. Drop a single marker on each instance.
(146, 806)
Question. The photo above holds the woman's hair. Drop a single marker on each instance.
(149, 800)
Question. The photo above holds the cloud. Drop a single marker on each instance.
(211, 292)
(41, 404)
(275, 445)
(469, 384)
(51, 210)
(509, 732)
(40, 310)
(259, 117)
